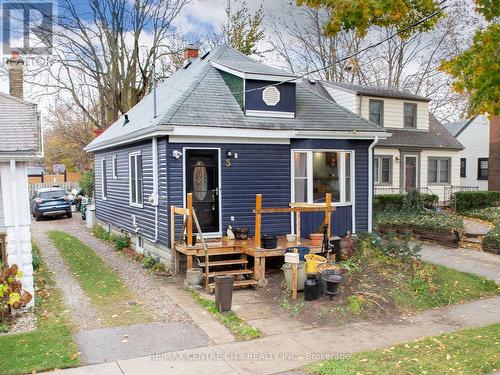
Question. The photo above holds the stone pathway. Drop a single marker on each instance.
(472, 261)
(474, 228)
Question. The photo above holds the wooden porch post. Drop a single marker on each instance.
(328, 214)
(258, 207)
(189, 206)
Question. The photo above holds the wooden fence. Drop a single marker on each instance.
(68, 186)
(54, 178)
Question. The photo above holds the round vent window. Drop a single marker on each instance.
(271, 96)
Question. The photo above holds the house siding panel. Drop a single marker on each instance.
(116, 209)
(254, 101)
(260, 168)
(346, 99)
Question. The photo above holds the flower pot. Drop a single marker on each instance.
(316, 239)
(241, 233)
(269, 241)
(194, 276)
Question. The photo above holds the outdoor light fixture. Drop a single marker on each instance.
(231, 155)
(176, 154)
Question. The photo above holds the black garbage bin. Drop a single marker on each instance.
(335, 242)
(223, 292)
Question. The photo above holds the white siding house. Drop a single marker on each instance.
(474, 134)
(420, 154)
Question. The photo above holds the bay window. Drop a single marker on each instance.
(317, 172)
(135, 179)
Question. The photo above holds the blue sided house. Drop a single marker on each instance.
(225, 128)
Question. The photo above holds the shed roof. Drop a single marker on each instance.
(19, 127)
(436, 137)
(197, 95)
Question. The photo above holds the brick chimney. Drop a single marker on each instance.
(16, 74)
(191, 52)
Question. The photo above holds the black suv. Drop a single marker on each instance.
(50, 202)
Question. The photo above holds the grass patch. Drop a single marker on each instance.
(100, 283)
(51, 345)
(241, 329)
(435, 286)
(470, 351)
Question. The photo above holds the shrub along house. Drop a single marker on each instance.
(420, 154)
(223, 129)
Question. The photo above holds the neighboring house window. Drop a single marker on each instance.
(382, 169)
(135, 183)
(439, 171)
(376, 108)
(463, 167)
(410, 115)
(482, 168)
(115, 167)
(104, 179)
(316, 173)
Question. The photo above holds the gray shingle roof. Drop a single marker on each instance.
(456, 127)
(436, 137)
(383, 92)
(19, 132)
(199, 96)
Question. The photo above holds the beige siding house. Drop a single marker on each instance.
(421, 154)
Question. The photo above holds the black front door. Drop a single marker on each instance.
(202, 179)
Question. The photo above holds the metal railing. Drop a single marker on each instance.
(449, 190)
(395, 190)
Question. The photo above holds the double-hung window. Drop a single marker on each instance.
(463, 167)
(438, 170)
(482, 168)
(318, 172)
(135, 181)
(410, 115)
(376, 108)
(114, 165)
(104, 180)
(382, 170)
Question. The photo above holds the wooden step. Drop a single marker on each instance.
(201, 253)
(214, 263)
(230, 272)
(237, 283)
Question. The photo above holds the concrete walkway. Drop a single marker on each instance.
(466, 260)
(285, 352)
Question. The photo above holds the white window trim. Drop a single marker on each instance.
(113, 169)
(309, 174)
(133, 204)
(103, 180)
(377, 178)
(184, 149)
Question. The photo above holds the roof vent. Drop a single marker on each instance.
(126, 120)
(204, 55)
(312, 81)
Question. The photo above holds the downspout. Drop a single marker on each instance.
(370, 184)
(154, 147)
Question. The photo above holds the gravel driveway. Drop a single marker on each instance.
(147, 288)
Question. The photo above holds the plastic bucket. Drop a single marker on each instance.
(312, 262)
(301, 275)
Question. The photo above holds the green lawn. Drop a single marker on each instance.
(241, 329)
(51, 345)
(471, 351)
(105, 289)
(435, 286)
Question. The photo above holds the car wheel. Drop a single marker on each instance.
(38, 217)
(69, 215)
